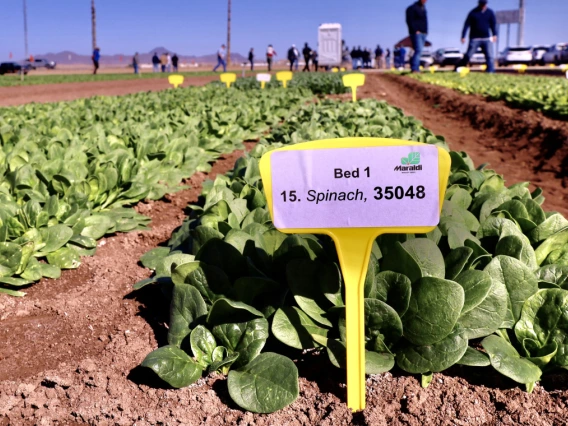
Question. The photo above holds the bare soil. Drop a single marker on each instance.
(71, 348)
(20, 95)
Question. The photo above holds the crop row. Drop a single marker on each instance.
(545, 94)
(487, 288)
(69, 170)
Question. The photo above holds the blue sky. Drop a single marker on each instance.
(199, 26)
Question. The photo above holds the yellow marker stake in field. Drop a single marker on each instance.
(521, 68)
(433, 68)
(228, 78)
(284, 77)
(463, 71)
(342, 69)
(357, 166)
(565, 67)
(353, 81)
(335, 69)
(176, 80)
(483, 67)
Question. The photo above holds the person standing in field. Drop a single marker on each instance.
(164, 61)
(156, 62)
(417, 21)
(96, 58)
(379, 56)
(482, 25)
(270, 54)
(251, 58)
(135, 62)
(388, 58)
(297, 56)
(307, 52)
(168, 63)
(315, 59)
(221, 59)
(292, 56)
(175, 62)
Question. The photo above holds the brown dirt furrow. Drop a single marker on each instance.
(20, 95)
(521, 145)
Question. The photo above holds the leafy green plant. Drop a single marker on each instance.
(548, 95)
(69, 170)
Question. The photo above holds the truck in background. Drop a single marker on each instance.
(330, 45)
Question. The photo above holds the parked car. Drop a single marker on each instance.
(478, 57)
(41, 63)
(13, 68)
(515, 55)
(557, 54)
(537, 54)
(448, 56)
(426, 60)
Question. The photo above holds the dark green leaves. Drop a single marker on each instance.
(186, 307)
(173, 366)
(267, 384)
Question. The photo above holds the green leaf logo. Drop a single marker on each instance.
(413, 158)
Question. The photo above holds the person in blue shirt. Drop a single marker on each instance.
(417, 21)
(482, 25)
(221, 59)
(96, 58)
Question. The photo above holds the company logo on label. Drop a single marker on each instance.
(410, 164)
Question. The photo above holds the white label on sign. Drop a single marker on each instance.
(263, 77)
(391, 186)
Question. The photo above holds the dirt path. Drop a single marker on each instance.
(10, 96)
(521, 145)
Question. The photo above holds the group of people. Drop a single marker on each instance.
(363, 58)
(309, 55)
(481, 23)
(164, 63)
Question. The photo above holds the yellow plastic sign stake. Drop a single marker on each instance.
(433, 69)
(552, 66)
(228, 78)
(483, 67)
(564, 67)
(176, 80)
(463, 71)
(521, 68)
(353, 81)
(284, 77)
(342, 69)
(263, 78)
(335, 69)
(300, 183)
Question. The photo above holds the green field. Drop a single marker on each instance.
(31, 79)
(545, 94)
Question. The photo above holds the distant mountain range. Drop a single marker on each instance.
(71, 58)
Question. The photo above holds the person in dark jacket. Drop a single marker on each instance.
(292, 56)
(388, 58)
(175, 62)
(379, 56)
(96, 58)
(355, 58)
(156, 62)
(315, 60)
(482, 25)
(417, 21)
(307, 52)
(251, 58)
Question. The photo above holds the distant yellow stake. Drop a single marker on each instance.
(335, 69)
(353, 81)
(176, 80)
(353, 244)
(433, 68)
(284, 77)
(463, 71)
(565, 67)
(483, 67)
(521, 68)
(228, 78)
(342, 69)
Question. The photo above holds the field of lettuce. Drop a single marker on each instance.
(545, 94)
(488, 289)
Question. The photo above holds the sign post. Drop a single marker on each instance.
(354, 190)
(176, 80)
(228, 78)
(284, 77)
(263, 78)
(353, 81)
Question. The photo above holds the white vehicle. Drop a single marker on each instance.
(537, 53)
(515, 55)
(447, 56)
(426, 60)
(557, 54)
(478, 57)
(329, 45)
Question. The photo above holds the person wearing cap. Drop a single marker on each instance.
(293, 56)
(482, 25)
(417, 21)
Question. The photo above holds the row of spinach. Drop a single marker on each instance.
(68, 171)
(487, 288)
